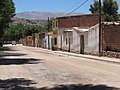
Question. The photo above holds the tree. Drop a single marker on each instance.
(95, 7)
(15, 32)
(7, 11)
(109, 8)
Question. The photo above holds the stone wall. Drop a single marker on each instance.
(111, 54)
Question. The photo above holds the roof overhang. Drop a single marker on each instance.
(80, 29)
(68, 30)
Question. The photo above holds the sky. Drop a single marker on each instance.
(53, 5)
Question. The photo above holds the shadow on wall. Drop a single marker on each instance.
(24, 84)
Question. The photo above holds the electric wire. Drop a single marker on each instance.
(73, 6)
(77, 8)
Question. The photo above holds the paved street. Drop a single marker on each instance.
(29, 68)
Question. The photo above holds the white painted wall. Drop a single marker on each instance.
(60, 34)
(91, 40)
(50, 37)
(76, 41)
(67, 35)
(92, 44)
(46, 40)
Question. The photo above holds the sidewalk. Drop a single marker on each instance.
(105, 59)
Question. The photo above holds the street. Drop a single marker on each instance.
(29, 68)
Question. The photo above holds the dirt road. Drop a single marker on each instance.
(28, 68)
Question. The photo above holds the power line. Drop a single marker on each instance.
(73, 6)
(77, 8)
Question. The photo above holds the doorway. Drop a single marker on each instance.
(61, 43)
(82, 44)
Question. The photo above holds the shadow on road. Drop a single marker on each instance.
(5, 52)
(81, 87)
(24, 84)
(9, 51)
(17, 84)
(19, 61)
(6, 48)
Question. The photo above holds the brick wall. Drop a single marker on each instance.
(111, 38)
(21, 41)
(29, 40)
(39, 39)
(78, 21)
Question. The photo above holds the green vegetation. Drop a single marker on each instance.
(109, 8)
(95, 7)
(15, 32)
(119, 17)
(7, 11)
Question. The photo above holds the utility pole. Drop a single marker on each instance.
(48, 32)
(100, 28)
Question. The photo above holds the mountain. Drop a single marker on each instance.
(17, 20)
(42, 15)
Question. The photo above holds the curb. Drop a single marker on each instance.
(96, 59)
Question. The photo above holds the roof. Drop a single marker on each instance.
(80, 30)
(77, 16)
(111, 23)
(68, 30)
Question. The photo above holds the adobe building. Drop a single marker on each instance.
(63, 36)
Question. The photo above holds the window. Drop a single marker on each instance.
(55, 41)
(56, 23)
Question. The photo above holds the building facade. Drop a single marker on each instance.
(64, 35)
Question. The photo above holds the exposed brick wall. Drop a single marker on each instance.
(21, 41)
(78, 21)
(29, 40)
(111, 38)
